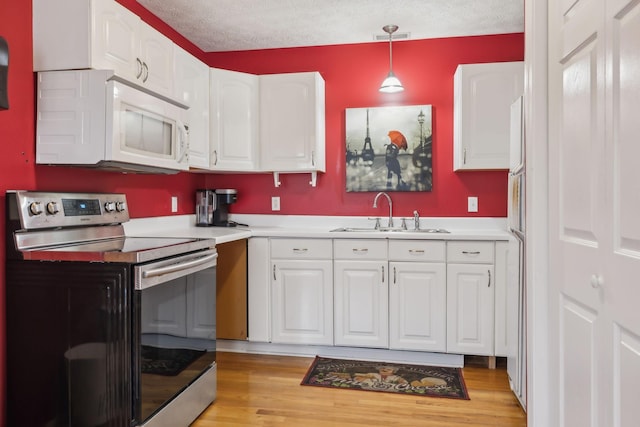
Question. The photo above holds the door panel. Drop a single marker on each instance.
(361, 304)
(621, 281)
(594, 99)
(578, 369)
(417, 302)
(579, 153)
(301, 299)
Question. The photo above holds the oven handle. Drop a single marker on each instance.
(177, 267)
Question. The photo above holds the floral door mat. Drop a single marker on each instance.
(415, 380)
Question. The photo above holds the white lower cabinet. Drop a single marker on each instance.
(417, 295)
(470, 298)
(361, 301)
(361, 293)
(301, 291)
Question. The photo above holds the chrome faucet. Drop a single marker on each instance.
(416, 220)
(375, 205)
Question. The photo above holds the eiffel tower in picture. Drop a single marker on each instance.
(367, 151)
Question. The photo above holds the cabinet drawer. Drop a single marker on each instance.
(301, 248)
(417, 250)
(360, 249)
(470, 252)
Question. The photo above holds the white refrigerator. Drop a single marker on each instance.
(516, 295)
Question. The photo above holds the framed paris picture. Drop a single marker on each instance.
(389, 149)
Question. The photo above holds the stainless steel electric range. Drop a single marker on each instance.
(104, 329)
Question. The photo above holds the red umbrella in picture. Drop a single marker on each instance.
(398, 139)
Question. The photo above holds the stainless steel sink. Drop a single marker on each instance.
(430, 230)
(351, 229)
(386, 229)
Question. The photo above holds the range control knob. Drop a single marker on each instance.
(35, 208)
(121, 206)
(52, 208)
(110, 206)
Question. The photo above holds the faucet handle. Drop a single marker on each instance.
(404, 223)
(377, 219)
(416, 220)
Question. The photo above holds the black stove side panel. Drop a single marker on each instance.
(68, 344)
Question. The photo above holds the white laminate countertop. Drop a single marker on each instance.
(309, 226)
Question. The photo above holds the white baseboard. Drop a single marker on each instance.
(375, 354)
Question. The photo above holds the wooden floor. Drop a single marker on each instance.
(260, 390)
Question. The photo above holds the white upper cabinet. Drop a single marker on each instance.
(483, 94)
(292, 122)
(105, 35)
(191, 87)
(156, 56)
(234, 121)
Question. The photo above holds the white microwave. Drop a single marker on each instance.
(93, 118)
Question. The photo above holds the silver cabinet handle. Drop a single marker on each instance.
(394, 275)
(313, 158)
(416, 251)
(464, 156)
(274, 272)
(300, 250)
(138, 68)
(489, 282)
(146, 72)
(215, 157)
(360, 250)
(471, 252)
(383, 274)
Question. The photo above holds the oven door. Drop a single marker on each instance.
(174, 339)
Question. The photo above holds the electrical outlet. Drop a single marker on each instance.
(275, 203)
(174, 203)
(472, 204)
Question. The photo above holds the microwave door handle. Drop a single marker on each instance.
(184, 141)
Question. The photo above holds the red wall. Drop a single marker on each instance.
(352, 74)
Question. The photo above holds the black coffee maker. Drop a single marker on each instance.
(224, 198)
(212, 207)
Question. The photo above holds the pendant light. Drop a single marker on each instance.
(391, 84)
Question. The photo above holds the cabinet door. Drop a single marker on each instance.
(201, 304)
(302, 297)
(114, 43)
(417, 306)
(191, 87)
(234, 120)
(156, 54)
(292, 128)
(361, 303)
(483, 94)
(470, 303)
(164, 309)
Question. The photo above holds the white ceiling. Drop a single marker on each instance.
(230, 25)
